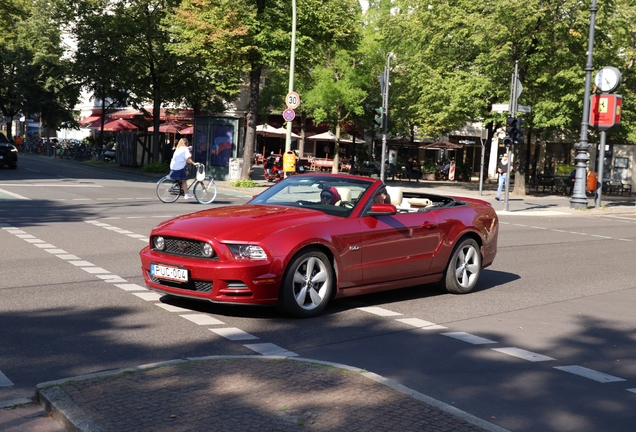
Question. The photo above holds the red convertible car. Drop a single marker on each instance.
(315, 237)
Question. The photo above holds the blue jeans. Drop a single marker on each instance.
(502, 180)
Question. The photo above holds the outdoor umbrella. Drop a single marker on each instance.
(187, 131)
(170, 127)
(330, 136)
(119, 125)
(283, 131)
(444, 145)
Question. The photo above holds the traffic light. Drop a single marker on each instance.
(521, 132)
(511, 125)
(511, 131)
(378, 120)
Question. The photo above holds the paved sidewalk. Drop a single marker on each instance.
(254, 393)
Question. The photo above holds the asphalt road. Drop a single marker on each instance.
(545, 344)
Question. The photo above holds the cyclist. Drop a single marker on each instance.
(180, 159)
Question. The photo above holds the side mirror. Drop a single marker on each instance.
(382, 210)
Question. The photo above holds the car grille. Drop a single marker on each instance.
(184, 247)
(193, 285)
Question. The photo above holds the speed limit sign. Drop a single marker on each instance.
(292, 100)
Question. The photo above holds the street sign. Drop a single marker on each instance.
(289, 115)
(292, 100)
(524, 109)
(605, 111)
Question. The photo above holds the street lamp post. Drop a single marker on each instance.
(579, 199)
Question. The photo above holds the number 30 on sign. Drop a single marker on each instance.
(292, 100)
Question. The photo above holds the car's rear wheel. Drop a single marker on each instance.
(307, 285)
(464, 267)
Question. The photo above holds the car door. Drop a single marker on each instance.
(398, 246)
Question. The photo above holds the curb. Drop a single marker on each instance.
(65, 411)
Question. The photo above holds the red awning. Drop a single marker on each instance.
(86, 122)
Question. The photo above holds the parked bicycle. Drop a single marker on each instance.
(203, 186)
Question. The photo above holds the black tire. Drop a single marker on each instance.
(205, 191)
(307, 285)
(13, 166)
(464, 267)
(168, 190)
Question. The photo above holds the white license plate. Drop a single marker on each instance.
(170, 273)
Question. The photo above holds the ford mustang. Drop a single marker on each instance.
(315, 237)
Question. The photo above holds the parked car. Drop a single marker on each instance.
(314, 237)
(8, 153)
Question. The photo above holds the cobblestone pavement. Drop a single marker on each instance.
(244, 393)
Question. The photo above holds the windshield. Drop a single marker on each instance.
(330, 194)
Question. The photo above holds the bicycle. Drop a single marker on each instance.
(204, 188)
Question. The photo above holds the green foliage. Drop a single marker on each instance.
(156, 167)
(244, 184)
(429, 166)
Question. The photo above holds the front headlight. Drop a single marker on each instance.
(243, 252)
(207, 250)
(159, 243)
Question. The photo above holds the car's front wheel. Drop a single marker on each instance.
(464, 267)
(307, 285)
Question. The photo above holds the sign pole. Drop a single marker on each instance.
(291, 72)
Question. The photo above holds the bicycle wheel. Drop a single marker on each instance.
(168, 190)
(205, 190)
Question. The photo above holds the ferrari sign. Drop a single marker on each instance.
(605, 111)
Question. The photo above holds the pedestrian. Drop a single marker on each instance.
(269, 164)
(180, 159)
(503, 168)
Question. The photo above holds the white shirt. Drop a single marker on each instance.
(180, 158)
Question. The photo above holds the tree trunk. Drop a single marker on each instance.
(250, 133)
(156, 113)
(336, 151)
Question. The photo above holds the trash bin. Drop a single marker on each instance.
(592, 180)
(236, 165)
(289, 162)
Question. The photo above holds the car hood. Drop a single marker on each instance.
(242, 223)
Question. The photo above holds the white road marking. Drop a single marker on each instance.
(67, 257)
(34, 240)
(171, 308)
(56, 251)
(131, 287)
(600, 236)
(45, 246)
(95, 270)
(433, 327)
(82, 263)
(148, 296)
(626, 240)
(143, 238)
(589, 373)
(633, 390)
(379, 311)
(415, 322)
(467, 337)
(523, 354)
(270, 349)
(14, 195)
(25, 236)
(202, 319)
(4, 381)
(233, 334)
